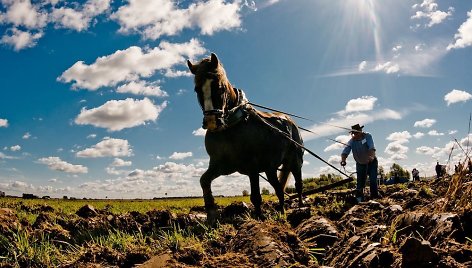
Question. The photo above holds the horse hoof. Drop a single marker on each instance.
(212, 217)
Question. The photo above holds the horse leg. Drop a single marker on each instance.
(256, 198)
(297, 174)
(274, 181)
(210, 206)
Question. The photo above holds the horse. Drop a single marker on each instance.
(242, 139)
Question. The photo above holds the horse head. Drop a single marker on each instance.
(215, 94)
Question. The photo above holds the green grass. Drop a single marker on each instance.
(177, 205)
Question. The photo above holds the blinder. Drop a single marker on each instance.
(224, 119)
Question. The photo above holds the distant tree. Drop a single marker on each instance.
(245, 193)
(265, 191)
(397, 169)
(381, 172)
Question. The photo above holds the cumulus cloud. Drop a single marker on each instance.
(142, 88)
(130, 64)
(118, 162)
(396, 148)
(338, 145)
(4, 156)
(55, 163)
(3, 122)
(429, 10)
(24, 13)
(427, 150)
(108, 147)
(116, 115)
(425, 123)
(387, 67)
(155, 18)
(463, 37)
(26, 136)
(346, 120)
(457, 96)
(167, 170)
(435, 133)
(199, 132)
(180, 155)
(418, 135)
(15, 148)
(19, 39)
(399, 137)
(364, 103)
(78, 18)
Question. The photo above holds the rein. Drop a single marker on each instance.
(252, 112)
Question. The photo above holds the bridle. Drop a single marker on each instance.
(230, 113)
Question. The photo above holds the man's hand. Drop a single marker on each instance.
(343, 163)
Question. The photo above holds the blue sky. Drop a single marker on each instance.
(96, 99)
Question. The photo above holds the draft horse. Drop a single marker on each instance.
(242, 139)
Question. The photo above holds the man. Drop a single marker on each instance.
(363, 150)
(438, 169)
(415, 174)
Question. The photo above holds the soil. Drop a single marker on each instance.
(410, 225)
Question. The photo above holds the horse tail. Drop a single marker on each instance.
(283, 176)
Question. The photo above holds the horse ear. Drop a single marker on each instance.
(214, 60)
(191, 67)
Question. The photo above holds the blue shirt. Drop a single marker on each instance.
(360, 149)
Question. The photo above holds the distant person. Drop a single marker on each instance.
(470, 167)
(396, 176)
(363, 150)
(438, 170)
(415, 174)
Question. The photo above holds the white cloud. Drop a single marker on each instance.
(141, 88)
(19, 39)
(108, 147)
(427, 150)
(334, 160)
(362, 66)
(429, 11)
(116, 115)
(26, 136)
(118, 162)
(435, 133)
(180, 155)
(338, 145)
(78, 18)
(130, 64)
(399, 137)
(364, 103)
(425, 123)
(457, 96)
(387, 67)
(4, 156)
(418, 135)
(3, 122)
(15, 148)
(463, 37)
(199, 132)
(55, 163)
(397, 48)
(92, 136)
(328, 128)
(396, 148)
(23, 13)
(154, 18)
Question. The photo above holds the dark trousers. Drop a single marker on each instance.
(364, 170)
